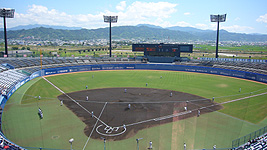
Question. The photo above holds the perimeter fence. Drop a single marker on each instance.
(245, 139)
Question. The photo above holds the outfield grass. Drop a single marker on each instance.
(60, 124)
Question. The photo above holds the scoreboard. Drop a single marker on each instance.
(164, 50)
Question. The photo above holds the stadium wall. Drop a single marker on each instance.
(170, 67)
(199, 69)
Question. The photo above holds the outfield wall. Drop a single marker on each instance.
(199, 69)
(170, 67)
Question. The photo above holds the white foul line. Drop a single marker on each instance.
(154, 119)
(94, 126)
(82, 108)
(74, 101)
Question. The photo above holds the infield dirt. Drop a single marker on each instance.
(148, 108)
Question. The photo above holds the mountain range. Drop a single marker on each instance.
(141, 31)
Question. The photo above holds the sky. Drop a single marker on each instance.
(243, 16)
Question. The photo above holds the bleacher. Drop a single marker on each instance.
(259, 143)
(26, 66)
(9, 79)
(157, 59)
(49, 62)
(255, 67)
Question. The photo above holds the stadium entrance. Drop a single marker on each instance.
(163, 53)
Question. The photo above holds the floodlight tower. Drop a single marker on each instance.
(218, 19)
(6, 13)
(110, 19)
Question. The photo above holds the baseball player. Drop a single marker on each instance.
(150, 145)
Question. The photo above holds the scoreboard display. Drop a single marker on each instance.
(165, 50)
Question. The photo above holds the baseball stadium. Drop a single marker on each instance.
(86, 103)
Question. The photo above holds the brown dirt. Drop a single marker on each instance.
(146, 103)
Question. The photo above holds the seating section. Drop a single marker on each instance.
(3, 68)
(8, 79)
(255, 67)
(259, 143)
(49, 62)
(161, 59)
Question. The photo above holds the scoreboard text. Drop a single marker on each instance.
(169, 50)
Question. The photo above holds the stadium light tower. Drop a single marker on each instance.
(110, 19)
(218, 19)
(6, 13)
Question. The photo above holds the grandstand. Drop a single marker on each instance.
(10, 78)
(259, 143)
(255, 67)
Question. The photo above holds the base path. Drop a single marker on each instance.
(148, 108)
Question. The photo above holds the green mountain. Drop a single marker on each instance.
(141, 32)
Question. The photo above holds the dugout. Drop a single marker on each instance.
(163, 53)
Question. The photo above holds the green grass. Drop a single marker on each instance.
(60, 124)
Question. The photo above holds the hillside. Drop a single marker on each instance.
(132, 32)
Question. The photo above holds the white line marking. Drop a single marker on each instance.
(163, 117)
(94, 126)
(74, 101)
(171, 116)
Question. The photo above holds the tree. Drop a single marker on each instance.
(15, 48)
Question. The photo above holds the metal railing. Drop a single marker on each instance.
(240, 141)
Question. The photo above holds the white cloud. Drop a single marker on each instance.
(183, 24)
(233, 28)
(237, 28)
(202, 26)
(237, 19)
(121, 6)
(151, 9)
(135, 13)
(262, 18)
(187, 13)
